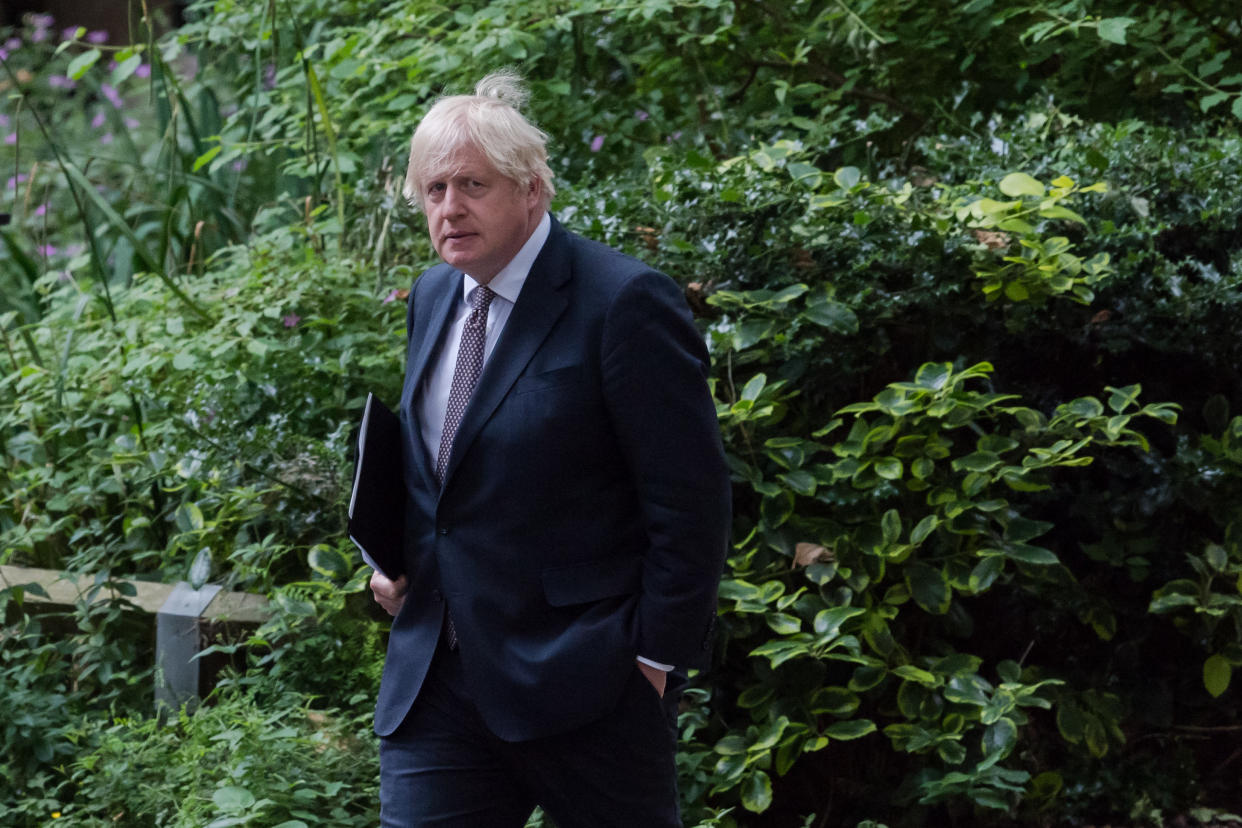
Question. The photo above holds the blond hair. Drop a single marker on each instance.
(490, 121)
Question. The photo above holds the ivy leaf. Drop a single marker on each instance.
(1113, 29)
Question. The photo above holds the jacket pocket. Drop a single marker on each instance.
(556, 378)
(592, 581)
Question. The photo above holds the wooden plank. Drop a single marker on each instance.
(66, 589)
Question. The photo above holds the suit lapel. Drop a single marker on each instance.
(539, 305)
(434, 326)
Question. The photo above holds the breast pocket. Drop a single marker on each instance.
(561, 378)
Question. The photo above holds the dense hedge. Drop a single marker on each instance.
(969, 278)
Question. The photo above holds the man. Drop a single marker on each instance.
(567, 503)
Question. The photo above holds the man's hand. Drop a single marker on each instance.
(656, 676)
(389, 594)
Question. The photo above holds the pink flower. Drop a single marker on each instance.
(239, 165)
(98, 36)
(112, 95)
(48, 250)
(11, 138)
(641, 115)
(291, 320)
(69, 33)
(41, 210)
(98, 120)
(14, 181)
(597, 144)
(42, 21)
(391, 297)
(4, 55)
(61, 82)
(132, 123)
(38, 35)
(143, 70)
(13, 44)
(4, 120)
(106, 138)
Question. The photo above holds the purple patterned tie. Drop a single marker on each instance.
(465, 377)
(466, 373)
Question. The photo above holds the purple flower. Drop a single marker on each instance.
(143, 70)
(11, 138)
(4, 120)
(38, 36)
(641, 115)
(98, 120)
(4, 55)
(61, 82)
(106, 138)
(41, 210)
(14, 181)
(239, 165)
(48, 250)
(391, 297)
(291, 320)
(112, 95)
(132, 123)
(69, 33)
(98, 36)
(42, 21)
(597, 144)
(13, 44)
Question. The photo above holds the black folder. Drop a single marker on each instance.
(377, 504)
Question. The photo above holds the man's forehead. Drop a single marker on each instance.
(465, 159)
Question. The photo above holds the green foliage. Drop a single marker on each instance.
(234, 762)
(987, 563)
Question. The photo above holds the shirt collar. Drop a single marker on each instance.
(507, 284)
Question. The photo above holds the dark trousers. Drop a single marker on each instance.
(443, 768)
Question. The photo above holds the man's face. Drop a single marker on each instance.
(478, 219)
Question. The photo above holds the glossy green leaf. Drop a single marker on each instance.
(850, 729)
(1018, 184)
(1217, 672)
(757, 792)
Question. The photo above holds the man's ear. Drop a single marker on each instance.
(533, 191)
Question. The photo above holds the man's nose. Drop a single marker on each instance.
(454, 201)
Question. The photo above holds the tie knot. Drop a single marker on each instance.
(481, 297)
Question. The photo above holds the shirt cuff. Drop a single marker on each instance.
(663, 667)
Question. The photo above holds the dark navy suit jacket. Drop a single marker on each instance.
(584, 516)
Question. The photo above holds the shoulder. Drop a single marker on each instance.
(607, 272)
(434, 278)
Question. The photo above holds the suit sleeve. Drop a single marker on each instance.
(654, 369)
